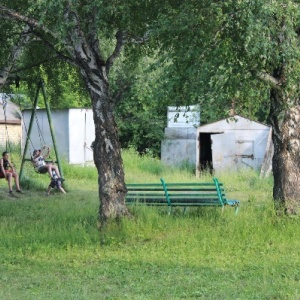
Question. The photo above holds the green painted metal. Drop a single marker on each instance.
(29, 131)
(51, 128)
(166, 191)
(219, 192)
(182, 194)
(48, 111)
(234, 203)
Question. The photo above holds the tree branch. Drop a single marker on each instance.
(138, 39)
(117, 51)
(275, 83)
(16, 52)
(59, 54)
(13, 15)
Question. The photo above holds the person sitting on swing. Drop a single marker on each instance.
(7, 171)
(41, 166)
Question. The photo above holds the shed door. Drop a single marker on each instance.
(223, 150)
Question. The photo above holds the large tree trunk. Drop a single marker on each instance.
(107, 149)
(108, 160)
(286, 158)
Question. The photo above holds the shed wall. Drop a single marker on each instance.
(73, 128)
(248, 144)
(41, 134)
(82, 134)
(179, 144)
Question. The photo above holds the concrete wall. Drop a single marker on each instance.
(179, 146)
(14, 132)
(10, 121)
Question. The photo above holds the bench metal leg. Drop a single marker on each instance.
(236, 210)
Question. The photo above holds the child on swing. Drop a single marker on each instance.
(41, 166)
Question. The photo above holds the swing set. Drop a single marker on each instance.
(45, 150)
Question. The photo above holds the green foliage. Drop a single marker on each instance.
(140, 116)
(216, 62)
(206, 52)
(47, 57)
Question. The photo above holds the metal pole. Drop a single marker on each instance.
(51, 127)
(29, 130)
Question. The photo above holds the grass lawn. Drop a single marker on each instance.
(50, 246)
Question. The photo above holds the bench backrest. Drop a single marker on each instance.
(205, 193)
(201, 193)
(145, 193)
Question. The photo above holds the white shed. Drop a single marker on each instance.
(232, 143)
(74, 131)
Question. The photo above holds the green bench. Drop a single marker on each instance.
(179, 194)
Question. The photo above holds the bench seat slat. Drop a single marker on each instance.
(196, 184)
(144, 190)
(143, 197)
(192, 189)
(213, 195)
(195, 201)
(196, 204)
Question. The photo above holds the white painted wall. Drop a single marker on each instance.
(74, 132)
(81, 136)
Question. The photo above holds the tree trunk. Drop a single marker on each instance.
(107, 149)
(286, 158)
(108, 160)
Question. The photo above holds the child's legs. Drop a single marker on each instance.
(9, 181)
(16, 177)
(62, 190)
(49, 169)
(55, 168)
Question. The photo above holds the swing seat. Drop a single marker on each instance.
(41, 171)
(2, 176)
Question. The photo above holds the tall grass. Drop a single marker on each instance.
(50, 246)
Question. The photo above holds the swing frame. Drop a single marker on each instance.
(40, 86)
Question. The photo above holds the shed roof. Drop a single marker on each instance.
(9, 112)
(233, 123)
